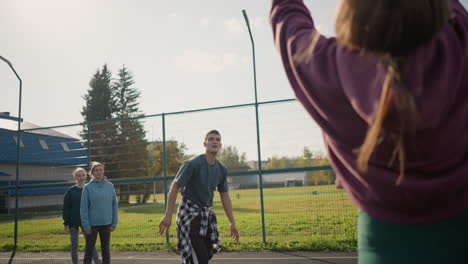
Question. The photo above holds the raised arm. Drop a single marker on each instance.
(309, 60)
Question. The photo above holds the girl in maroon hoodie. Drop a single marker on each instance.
(390, 93)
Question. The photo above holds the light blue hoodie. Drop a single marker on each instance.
(98, 204)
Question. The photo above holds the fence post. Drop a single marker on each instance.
(164, 166)
(18, 148)
(88, 145)
(18, 162)
(260, 176)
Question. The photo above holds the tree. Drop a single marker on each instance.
(98, 100)
(132, 160)
(308, 159)
(229, 156)
(99, 106)
(319, 177)
(175, 156)
(119, 144)
(125, 96)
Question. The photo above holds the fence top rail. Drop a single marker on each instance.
(161, 114)
(168, 178)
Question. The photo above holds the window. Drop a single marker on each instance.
(16, 141)
(43, 144)
(65, 147)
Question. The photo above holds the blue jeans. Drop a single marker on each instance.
(74, 232)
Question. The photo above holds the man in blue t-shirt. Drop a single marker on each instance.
(198, 178)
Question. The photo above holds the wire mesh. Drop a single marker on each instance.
(301, 205)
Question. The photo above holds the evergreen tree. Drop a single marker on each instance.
(98, 100)
(98, 107)
(133, 158)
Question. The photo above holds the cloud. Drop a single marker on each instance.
(230, 59)
(234, 25)
(205, 21)
(246, 60)
(195, 60)
(258, 23)
(173, 14)
(237, 25)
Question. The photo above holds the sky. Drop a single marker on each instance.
(183, 54)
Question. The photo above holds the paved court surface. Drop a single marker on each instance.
(159, 257)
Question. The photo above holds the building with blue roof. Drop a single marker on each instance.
(46, 156)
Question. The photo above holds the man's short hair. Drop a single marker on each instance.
(213, 131)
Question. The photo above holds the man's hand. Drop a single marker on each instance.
(87, 231)
(234, 233)
(165, 224)
(67, 229)
(167, 219)
(112, 229)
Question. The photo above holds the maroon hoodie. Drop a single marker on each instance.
(341, 88)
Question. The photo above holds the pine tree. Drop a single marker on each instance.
(133, 159)
(99, 106)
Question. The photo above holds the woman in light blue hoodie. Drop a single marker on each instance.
(98, 212)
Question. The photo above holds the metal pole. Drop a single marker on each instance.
(154, 189)
(260, 177)
(9, 194)
(18, 148)
(165, 166)
(88, 145)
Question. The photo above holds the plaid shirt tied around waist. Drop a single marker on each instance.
(208, 226)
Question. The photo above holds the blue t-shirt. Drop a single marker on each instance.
(199, 180)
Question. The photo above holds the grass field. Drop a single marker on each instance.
(296, 218)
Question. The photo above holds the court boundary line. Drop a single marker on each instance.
(177, 258)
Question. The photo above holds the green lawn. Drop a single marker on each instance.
(296, 218)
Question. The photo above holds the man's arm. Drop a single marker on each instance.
(227, 205)
(167, 219)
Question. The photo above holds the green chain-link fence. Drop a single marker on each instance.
(300, 207)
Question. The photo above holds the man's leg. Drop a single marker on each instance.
(199, 243)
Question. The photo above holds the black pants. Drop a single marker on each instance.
(201, 245)
(104, 235)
